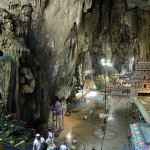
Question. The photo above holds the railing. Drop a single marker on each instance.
(4, 145)
(22, 145)
(8, 146)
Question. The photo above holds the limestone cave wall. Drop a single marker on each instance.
(123, 34)
(41, 43)
(24, 90)
(45, 46)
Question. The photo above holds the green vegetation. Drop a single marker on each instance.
(14, 130)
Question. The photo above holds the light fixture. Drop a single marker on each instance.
(103, 64)
(103, 60)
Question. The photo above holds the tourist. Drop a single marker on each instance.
(103, 98)
(125, 115)
(83, 147)
(125, 148)
(83, 99)
(134, 117)
(50, 136)
(74, 141)
(93, 148)
(51, 145)
(43, 146)
(37, 142)
(63, 146)
(85, 117)
(91, 112)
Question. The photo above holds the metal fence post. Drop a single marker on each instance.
(1, 144)
(23, 144)
(12, 143)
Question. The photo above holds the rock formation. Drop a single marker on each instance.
(48, 48)
(21, 75)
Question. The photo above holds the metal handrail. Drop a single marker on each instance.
(5, 145)
(22, 144)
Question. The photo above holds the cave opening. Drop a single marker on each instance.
(1, 53)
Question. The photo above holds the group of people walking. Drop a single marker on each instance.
(41, 144)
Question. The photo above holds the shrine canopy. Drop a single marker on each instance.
(142, 109)
(140, 135)
(57, 106)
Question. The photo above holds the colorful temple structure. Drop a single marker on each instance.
(140, 136)
(140, 85)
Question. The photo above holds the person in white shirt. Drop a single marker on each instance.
(91, 111)
(50, 136)
(74, 141)
(37, 142)
(83, 147)
(85, 117)
(63, 147)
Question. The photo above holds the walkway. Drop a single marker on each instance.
(89, 133)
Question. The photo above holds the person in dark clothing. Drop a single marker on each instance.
(43, 146)
(134, 116)
(125, 115)
(93, 148)
(125, 148)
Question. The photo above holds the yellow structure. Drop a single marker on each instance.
(23, 143)
(1, 144)
(12, 143)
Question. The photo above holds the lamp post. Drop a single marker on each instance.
(105, 63)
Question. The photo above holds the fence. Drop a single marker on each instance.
(4, 145)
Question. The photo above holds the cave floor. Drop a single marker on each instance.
(90, 132)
